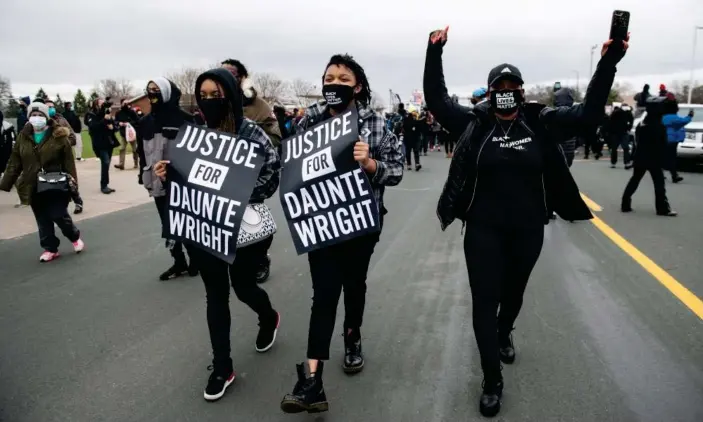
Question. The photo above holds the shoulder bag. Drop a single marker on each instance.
(55, 181)
(257, 224)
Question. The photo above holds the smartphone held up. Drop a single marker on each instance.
(619, 25)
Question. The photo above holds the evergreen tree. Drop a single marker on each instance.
(93, 96)
(59, 104)
(80, 103)
(13, 108)
(41, 94)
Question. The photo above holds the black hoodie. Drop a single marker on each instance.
(233, 92)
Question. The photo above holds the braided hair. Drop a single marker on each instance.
(364, 96)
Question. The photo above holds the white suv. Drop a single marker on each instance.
(692, 146)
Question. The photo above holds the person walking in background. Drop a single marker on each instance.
(155, 132)
(412, 133)
(75, 123)
(43, 146)
(101, 130)
(675, 133)
(619, 126)
(663, 91)
(7, 141)
(124, 117)
(564, 97)
(641, 100)
(650, 156)
(22, 117)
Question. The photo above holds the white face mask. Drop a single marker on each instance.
(38, 122)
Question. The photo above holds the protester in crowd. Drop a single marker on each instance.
(435, 130)
(641, 100)
(478, 96)
(344, 266)
(663, 91)
(7, 141)
(155, 132)
(564, 97)
(412, 134)
(675, 133)
(650, 156)
(220, 98)
(22, 117)
(75, 122)
(124, 117)
(102, 134)
(258, 110)
(619, 126)
(506, 174)
(43, 146)
(280, 113)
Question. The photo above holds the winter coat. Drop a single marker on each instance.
(126, 116)
(22, 119)
(565, 98)
(61, 121)
(620, 121)
(674, 124)
(650, 144)
(560, 191)
(259, 111)
(102, 137)
(54, 153)
(73, 120)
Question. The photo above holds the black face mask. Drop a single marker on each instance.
(155, 99)
(214, 111)
(338, 96)
(506, 102)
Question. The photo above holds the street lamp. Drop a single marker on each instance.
(577, 79)
(693, 61)
(593, 50)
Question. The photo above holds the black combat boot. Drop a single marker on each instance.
(308, 394)
(490, 402)
(353, 357)
(506, 349)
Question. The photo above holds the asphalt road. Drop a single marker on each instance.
(96, 337)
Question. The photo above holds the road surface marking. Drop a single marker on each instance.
(677, 289)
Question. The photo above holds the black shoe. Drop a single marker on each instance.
(262, 274)
(353, 357)
(78, 209)
(217, 383)
(677, 179)
(418, 167)
(178, 269)
(106, 191)
(626, 208)
(308, 394)
(119, 166)
(192, 269)
(506, 349)
(670, 213)
(267, 333)
(489, 405)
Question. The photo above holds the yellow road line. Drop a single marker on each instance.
(677, 289)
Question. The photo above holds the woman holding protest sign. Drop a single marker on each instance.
(156, 130)
(344, 266)
(219, 98)
(507, 171)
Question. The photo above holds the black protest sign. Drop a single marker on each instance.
(211, 175)
(327, 198)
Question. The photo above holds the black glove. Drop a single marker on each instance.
(690, 113)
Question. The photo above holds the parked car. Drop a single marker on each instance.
(692, 147)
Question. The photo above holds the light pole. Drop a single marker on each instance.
(693, 62)
(577, 79)
(593, 50)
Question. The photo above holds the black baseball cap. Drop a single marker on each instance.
(504, 71)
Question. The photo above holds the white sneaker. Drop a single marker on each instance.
(78, 245)
(48, 256)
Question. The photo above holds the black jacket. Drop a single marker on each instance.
(650, 144)
(560, 190)
(102, 137)
(73, 120)
(565, 98)
(412, 128)
(620, 121)
(126, 116)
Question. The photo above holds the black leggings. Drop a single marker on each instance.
(341, 266)
(499, 261)
(217, 276)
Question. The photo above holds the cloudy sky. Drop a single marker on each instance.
(62, 45)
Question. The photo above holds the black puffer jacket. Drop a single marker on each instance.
(565, 98)
(560, 190)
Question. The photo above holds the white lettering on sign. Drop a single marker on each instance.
(207, 174)
(343, 221)
(318, 164)
(318, 137)
(231, 149)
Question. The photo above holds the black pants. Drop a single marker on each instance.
(448, 141)
(105, 156)
(342, 266)
(176, 248)
(661, 203)
(412, 145)
(569, 158)
(671, 156)
(623, 140)
(52, 208)
(217, 276)
(499, 261)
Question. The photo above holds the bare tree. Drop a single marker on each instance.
(115, 89)
(303, 90)
(185, 81)
(5, 92)
(270, 87)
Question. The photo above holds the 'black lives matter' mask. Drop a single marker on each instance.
(506, 102)
(338, 96)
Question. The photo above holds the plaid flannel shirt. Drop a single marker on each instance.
(269, 176)
(384, 147)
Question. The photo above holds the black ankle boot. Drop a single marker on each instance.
(353, 357)
(489, 405)
(308, 394)
(178, 269)
(506, 349)
(192, 269)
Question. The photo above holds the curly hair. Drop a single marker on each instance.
(241, 70)
(364, 96)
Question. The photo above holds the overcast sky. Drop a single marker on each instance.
(65, 44)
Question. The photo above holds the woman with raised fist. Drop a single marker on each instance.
(506, 173)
